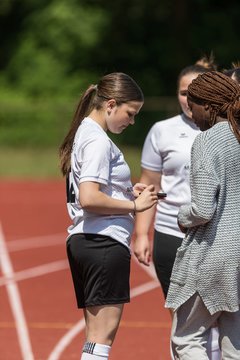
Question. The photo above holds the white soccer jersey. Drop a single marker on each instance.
(96, 158)
(167, 149)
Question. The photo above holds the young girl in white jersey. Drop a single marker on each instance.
(102, 204)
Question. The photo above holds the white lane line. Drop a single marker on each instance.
(141, 289)
(34, 272)
(37, 242)
(15, 301)
(69, 336)
(66, 340)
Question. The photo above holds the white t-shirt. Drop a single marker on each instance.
(167, 149)
(96, 158)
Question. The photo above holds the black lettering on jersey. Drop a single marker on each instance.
(70, 191)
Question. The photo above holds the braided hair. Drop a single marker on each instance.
(221, 94)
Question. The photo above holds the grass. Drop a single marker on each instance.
(28, 163)
(35, 163)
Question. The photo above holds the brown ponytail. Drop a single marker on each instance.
(82, 110)
(118, 86)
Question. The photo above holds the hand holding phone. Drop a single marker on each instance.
(161, 195)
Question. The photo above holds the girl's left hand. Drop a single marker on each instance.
(138, 188)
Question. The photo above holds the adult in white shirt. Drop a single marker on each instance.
(165, 163)
(102, 204)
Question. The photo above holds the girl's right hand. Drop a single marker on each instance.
(142, 249)
(146, 199)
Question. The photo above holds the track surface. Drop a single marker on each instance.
(38, 315)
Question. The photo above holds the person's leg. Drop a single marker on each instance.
(213, 350)
(100, 269)
(191, 329)
(101, 326)
(164, 252)
(229, 335)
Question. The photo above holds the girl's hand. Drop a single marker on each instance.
(138, 188)
(142, 249)
(146, 199)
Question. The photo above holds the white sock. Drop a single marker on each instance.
(213, 349)
(94, 351)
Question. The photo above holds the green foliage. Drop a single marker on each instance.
(52, 56)
(51, 50)
(33, 123)
(55, 47)
(27, 122)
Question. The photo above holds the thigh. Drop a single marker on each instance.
(102, 323)
(164, 252)
(100, 269)
(191, 329)
(229, 335)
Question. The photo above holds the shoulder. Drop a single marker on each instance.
(165, 125)
(89, 135)
(214, 143)
(215, 134)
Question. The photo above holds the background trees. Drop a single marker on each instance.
(57, 46)
(51, 49)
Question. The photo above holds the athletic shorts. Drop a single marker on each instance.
(164, 252)
(100, 268)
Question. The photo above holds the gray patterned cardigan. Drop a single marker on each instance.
(208, 261)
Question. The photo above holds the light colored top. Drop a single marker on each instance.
(96, 158)
(167, 149)
(208, 261)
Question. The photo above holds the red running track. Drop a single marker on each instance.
(38, 315)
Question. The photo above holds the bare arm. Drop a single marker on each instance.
(141, 246)
(94, 200)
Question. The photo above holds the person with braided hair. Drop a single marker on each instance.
(205, 281)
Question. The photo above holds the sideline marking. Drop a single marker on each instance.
(53, 240)
(15, 301)
(35, 271)
(66, 340)
(36, 242)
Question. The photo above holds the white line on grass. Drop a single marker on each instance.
(15, 301)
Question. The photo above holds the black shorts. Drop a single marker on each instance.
(164, 252)
(100, 268)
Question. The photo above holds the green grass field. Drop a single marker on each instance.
(21, 163)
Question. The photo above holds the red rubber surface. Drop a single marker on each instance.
(34, 219)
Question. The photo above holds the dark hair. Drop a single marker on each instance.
(118, 86)
(201, 66)
(221, 93)
(234, 72)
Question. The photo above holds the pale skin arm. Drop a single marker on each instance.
(141, 246)
(94, 200)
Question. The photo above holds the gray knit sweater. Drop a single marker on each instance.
(208, 261)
